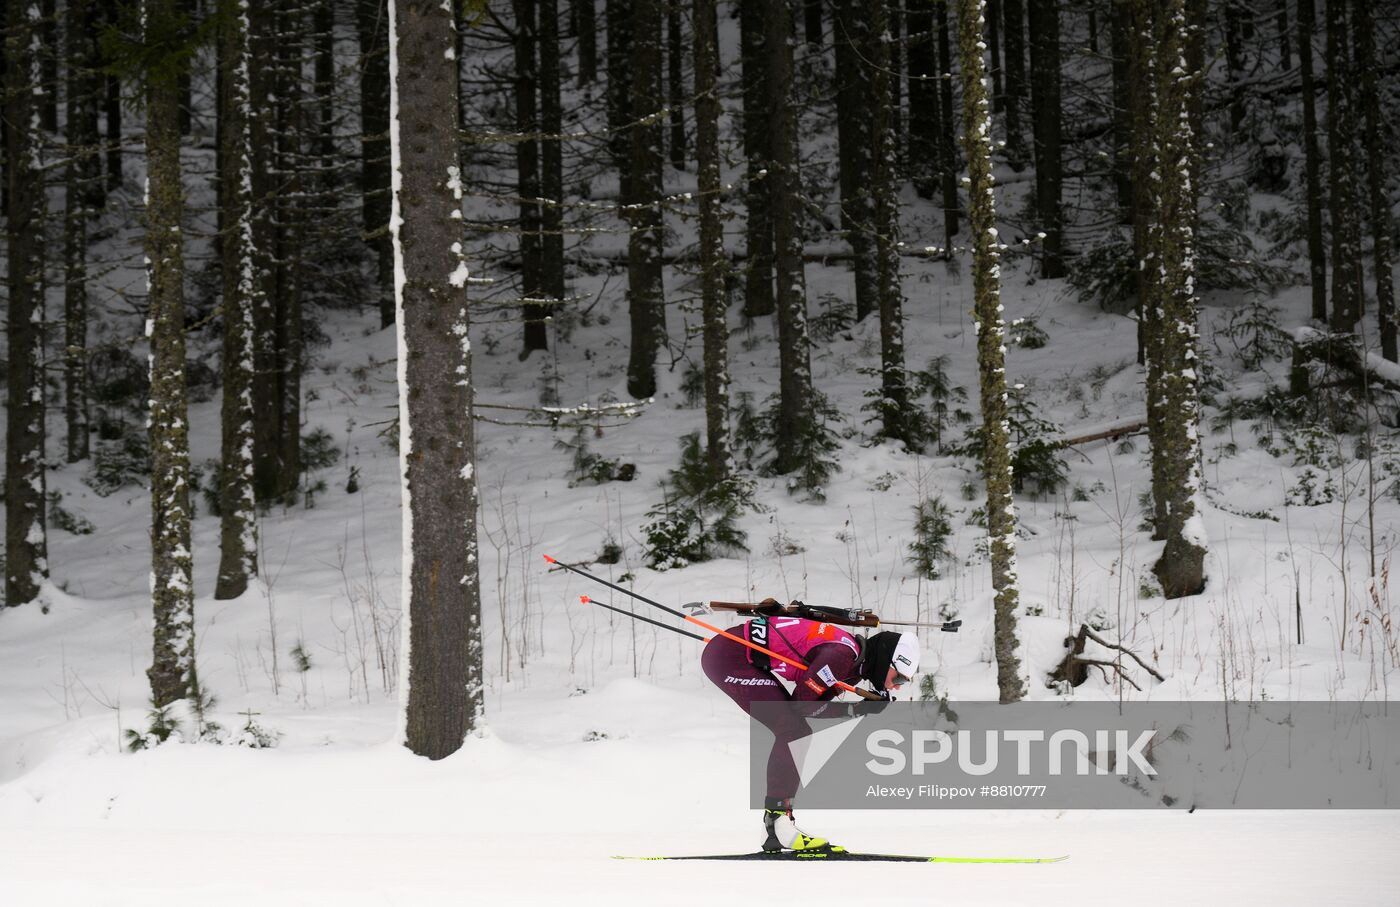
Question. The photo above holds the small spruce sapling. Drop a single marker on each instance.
(933, 526)
(698, 519)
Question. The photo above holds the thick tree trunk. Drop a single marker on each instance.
(1045, 108)
(586, 24)
(759, 192)
(26, 545)
(1343, 201)
(1317, 249)
(994, 44)
(1172, 277)
(172, 672)
(1375, 172)
(646, 299)
(713, 264)
(812, 22)
(853, 46)
(373, 26)
(263, 129)
(991, 356)
(442, 592)
(238, 544)
(795, 410)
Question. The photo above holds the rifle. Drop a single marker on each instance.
(847, 617)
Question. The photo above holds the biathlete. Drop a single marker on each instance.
(885, 660)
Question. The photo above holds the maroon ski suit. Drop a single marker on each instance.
(831, 654)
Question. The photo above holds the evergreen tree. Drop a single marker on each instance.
(552, 279)
(238, 544)
(675, 83)
(1013, 14)
(947, 146)
(1343, 198)
(442, 606)
(897, 420)
(1044, 21)
(527, 168)
(585, 17)
(1317, 250)
(372, 27)
(795, 407)
(854, 45)
(82, 197)
(991, 346)
(172, 673)
(1171, 276)
(712, 259)
(759, 193)
(1376, 174)
(646, 301)
(26, 540)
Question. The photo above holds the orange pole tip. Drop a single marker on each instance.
(585, 599)
(550, 559)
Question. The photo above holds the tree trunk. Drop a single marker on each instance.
(552, 280)
(675, 83)
(46, 88)
(713, 264)
(291, 234)
(645, 295)
(1180, 569)
(1234, 61)
(991, 345)
(812, 22)
(795, 409)
(172, 672)
(586, 19)
(994, 44)
(1343, 204)
(263, 129)
(619, 14)
(1045, 118)
(895, 416)
(81, 178)
(373, 26)
(924, 133)
(1285, 49)
(759, 193)
(442, 591)
(948, 146)
(1317, 249)
(853, 46)
(112, 106)
(323, 40)
(527, 169)
(1375, 171)
(238, 543)
(26, 540)
(1120, 25)
(896, 36)
(1014, 52)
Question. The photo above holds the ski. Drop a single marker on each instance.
(840, 855)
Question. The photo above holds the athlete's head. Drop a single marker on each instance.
(891, 659)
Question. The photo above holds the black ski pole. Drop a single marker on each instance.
(646, 620)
